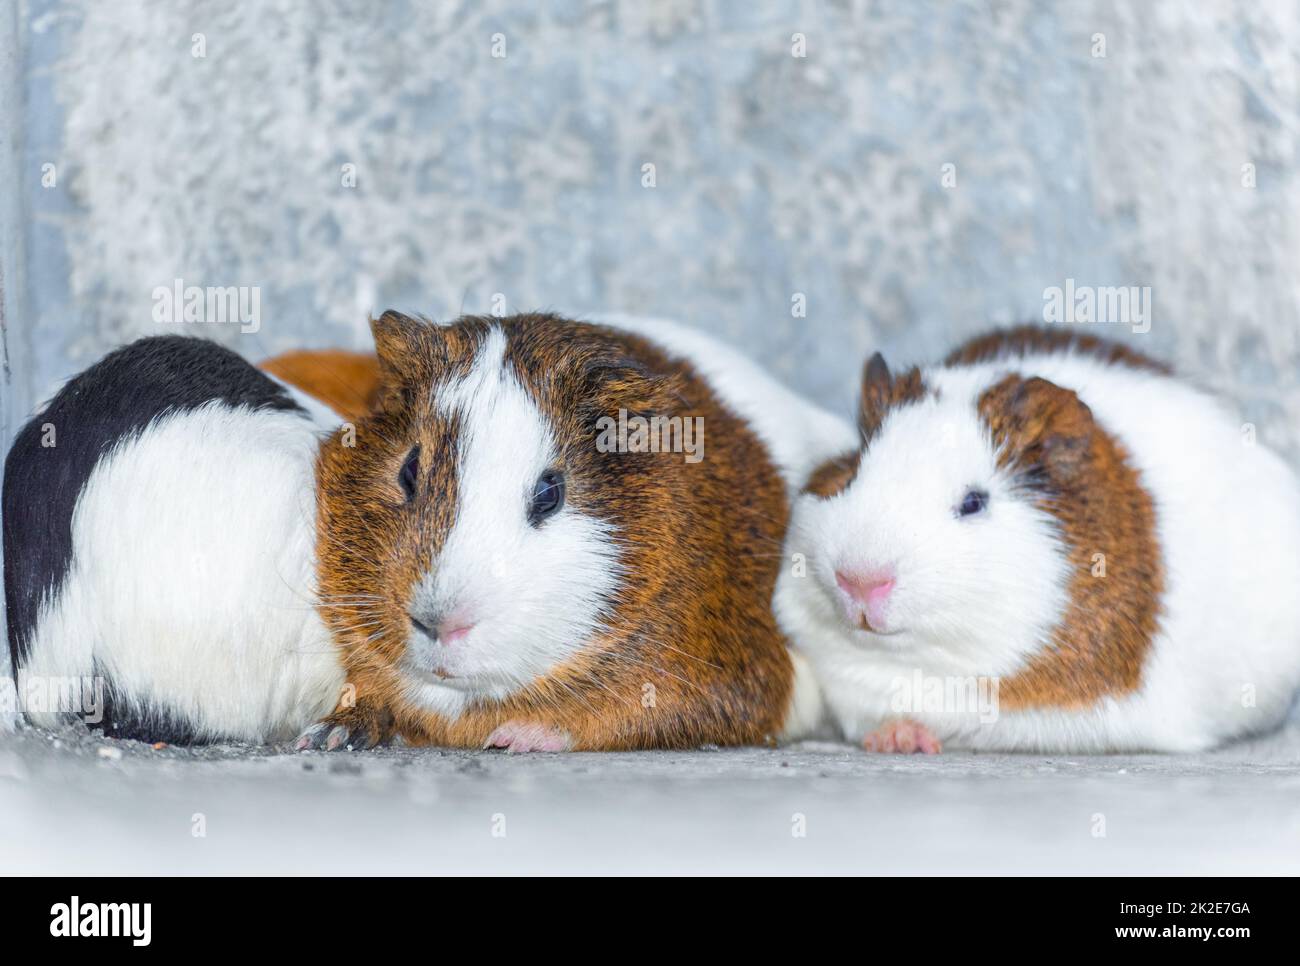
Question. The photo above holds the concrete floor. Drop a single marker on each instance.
(76, 804)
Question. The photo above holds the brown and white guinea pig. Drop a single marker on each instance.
(1047, 543)
(500, 569)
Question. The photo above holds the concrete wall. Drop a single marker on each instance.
(15, 332)
(1095, 141)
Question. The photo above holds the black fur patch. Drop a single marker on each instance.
(138, 721)
(113, 400)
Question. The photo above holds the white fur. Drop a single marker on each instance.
(193, 577)
(534, 594)
(978, 596)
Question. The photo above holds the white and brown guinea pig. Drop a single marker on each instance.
(1055, 523)
(159, 551)
(507, 580)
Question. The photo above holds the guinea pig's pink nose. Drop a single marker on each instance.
(867, 589)
(866, 595)
(454, 629)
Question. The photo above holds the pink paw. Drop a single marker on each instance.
(903, 737)
(517, 736)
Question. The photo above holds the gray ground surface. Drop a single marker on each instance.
(75, 804)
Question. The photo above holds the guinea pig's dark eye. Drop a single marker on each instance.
(410, 475)
(975, 501)
(548, 496)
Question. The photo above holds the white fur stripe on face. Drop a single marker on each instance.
(504, 446)
(533, 593)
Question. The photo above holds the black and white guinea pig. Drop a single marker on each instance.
(160, 550)
(1047, 543)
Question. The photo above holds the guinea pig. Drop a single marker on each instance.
(1047, 543)
(160, 551)
(561, 535)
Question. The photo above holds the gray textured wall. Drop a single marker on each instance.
(15, 373)
(776, 175)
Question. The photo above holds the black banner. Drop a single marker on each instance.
(331, 915)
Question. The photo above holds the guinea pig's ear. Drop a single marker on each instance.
(881, 390)
(877, 390)
(618, 382)
(1041, 427)
(397, 344)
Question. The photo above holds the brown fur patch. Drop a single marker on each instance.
(347, 382)
(835, 475)
(1077, 472)
(701, 543)
(1025, 340)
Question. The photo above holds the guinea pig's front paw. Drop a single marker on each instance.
(517, 736)
(903, 737)
(353, 729)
